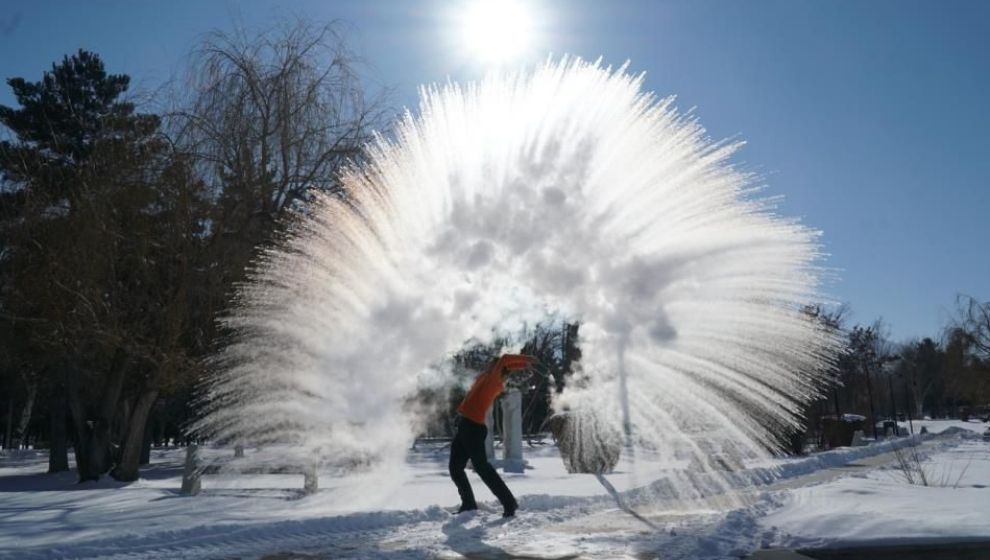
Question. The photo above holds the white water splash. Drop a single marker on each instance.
(565, 191)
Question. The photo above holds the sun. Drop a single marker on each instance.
(496, 31)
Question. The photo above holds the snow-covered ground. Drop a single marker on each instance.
(881, 506)
(813, 501)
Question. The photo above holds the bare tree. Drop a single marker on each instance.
(860, 366)
(920, 370)
(974, 319)
(273, 117)
(279, 112)
(832, 320)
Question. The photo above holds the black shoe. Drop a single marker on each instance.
(464, 508)
(510, 510)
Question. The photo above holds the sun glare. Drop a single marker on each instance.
(495, 31)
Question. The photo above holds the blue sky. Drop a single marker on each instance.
(872, 119)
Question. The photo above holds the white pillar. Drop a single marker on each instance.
(490, 438)
(310, 480)
(190, 475)
(512, 432)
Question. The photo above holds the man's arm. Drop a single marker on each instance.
(511, 362)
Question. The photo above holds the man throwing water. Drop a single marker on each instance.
(469, 443)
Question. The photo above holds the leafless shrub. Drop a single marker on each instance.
(914, 467)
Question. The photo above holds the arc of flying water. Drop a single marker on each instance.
(566, 189)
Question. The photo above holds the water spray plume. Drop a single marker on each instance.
(566, 191)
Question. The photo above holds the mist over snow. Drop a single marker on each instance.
(563, 191)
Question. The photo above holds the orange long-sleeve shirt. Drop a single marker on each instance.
(488, 385)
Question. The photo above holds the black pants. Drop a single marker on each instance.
(469, 443)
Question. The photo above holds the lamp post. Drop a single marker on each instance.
(885, 362)
(880, 361)
(907, 406)
(908, 402)
(869, 394)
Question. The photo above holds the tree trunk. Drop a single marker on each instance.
(127, 469)
(22, 426)
(113, 388)
(146, 445)
(119, 429)
(96, 448)
(9, 435)
(91, 444)
(58, 452)
(92, 435)
(80, 431)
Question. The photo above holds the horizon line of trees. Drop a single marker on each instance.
(944, 376)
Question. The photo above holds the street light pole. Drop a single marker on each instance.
(893, 407)
(907, 406)
(869, 393)
(885, 362)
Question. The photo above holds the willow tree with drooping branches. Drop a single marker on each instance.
(273, 117)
